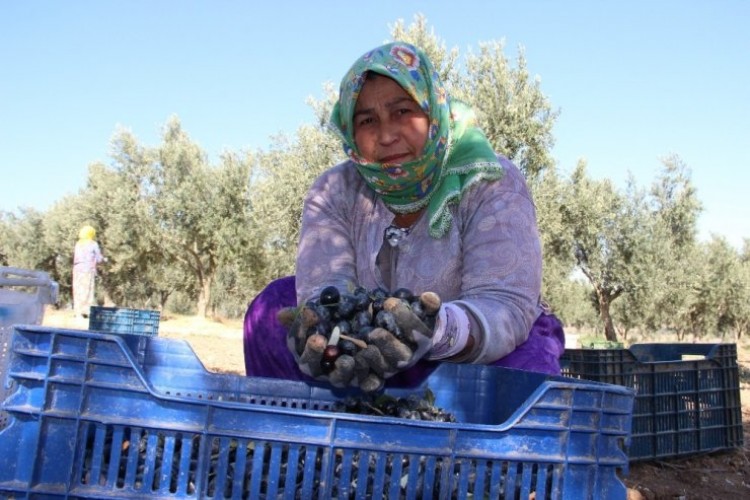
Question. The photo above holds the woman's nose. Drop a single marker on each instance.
(388, 133)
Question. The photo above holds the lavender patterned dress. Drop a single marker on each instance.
(489, 263)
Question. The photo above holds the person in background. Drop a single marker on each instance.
(424, 203)
(86, 258)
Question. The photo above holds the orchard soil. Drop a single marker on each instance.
(719, 475)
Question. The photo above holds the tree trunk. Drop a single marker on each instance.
(163, 297)
(204, 297)
(609, 327)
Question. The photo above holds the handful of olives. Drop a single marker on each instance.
(360, 337)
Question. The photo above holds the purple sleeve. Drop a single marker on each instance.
(264, 338)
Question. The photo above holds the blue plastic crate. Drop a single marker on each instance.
(90, 421)
(687, 395)
(121, 320)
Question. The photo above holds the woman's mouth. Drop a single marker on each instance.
(394, 159)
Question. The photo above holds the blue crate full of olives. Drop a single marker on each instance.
(89, 419)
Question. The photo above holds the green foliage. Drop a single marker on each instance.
(513, 112)
(20, 243)
(592, 213)
(720, 297)
(511, 108)
(444, 60)
(673, 210)
(282, 177)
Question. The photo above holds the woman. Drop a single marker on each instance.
(86, 258)
(422, 203)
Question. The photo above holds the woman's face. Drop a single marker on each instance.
(389, 126)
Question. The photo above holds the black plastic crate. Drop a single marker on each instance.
(687, 395)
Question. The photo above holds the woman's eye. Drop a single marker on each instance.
(365, 121)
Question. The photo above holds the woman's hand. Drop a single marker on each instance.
(343, 359)
(415, 332)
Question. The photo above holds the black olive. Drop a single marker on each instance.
(385, 319)
(379, 293)
(345, 327)
(347, 347)
(327, 366)
(361, 298)
(390, 407)
(346, 306)
(329, 296)
(361, 319)
(377, 305)
(323, 328)
(404, 294)
(323, 313)
(362, 333)
(330, 354)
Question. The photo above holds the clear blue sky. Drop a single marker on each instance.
(634, 81)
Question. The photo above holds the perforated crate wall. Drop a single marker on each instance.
(120, 320)
(89, 421)
(687, 395)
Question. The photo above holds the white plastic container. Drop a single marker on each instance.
(23, 295)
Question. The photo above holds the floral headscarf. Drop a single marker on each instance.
(456, 155)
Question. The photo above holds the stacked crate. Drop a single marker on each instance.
(687, 395)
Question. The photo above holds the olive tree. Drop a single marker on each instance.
(200, 211)
(721, 293)
(605, 233)
(138, 272)
(674, 209)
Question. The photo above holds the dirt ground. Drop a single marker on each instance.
(720, 475)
